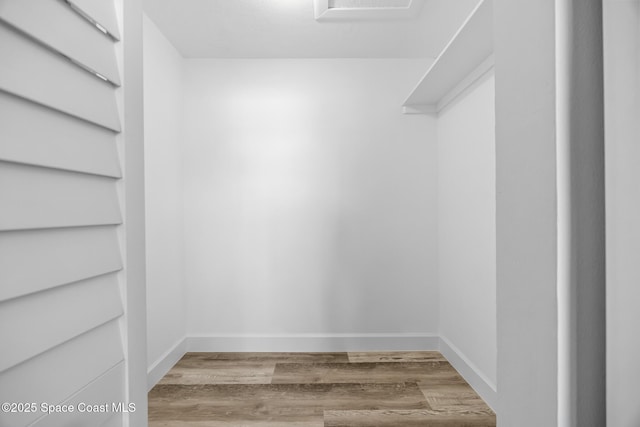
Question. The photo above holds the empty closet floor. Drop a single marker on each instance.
(315, 390)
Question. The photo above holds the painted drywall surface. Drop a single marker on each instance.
(134, 197)
(622, 110)
(526, 214)
(309, 198)
(466, 226)
(580, 182)
(163, 179)
(288, 29)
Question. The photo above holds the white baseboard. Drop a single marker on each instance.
(470, 372)
(313, 342)
(165, 362)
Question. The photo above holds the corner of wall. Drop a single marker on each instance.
(470, 372)
(160, 367)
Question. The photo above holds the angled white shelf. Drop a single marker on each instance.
(467, 56)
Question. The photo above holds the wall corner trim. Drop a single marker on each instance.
(160, 367)
(470, 372)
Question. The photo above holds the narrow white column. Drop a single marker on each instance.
(581, 209)
(550, 213)
(134, 246)
(526, 213)
(622, 111)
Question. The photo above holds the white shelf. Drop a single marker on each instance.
(467, 56)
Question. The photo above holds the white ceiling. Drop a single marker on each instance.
(287, 29)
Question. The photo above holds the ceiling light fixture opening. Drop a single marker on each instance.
(368, 4)
(363, 10)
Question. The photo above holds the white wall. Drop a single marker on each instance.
(580, 205)
(622, 110)
(309, 199)
(466, 227)
(526, 214)
(134, 200)
(166, 313)
(550, 213)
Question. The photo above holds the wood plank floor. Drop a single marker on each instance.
(360, 389)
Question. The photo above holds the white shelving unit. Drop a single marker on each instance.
(467, 56)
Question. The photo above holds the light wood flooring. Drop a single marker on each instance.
(381, 389)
